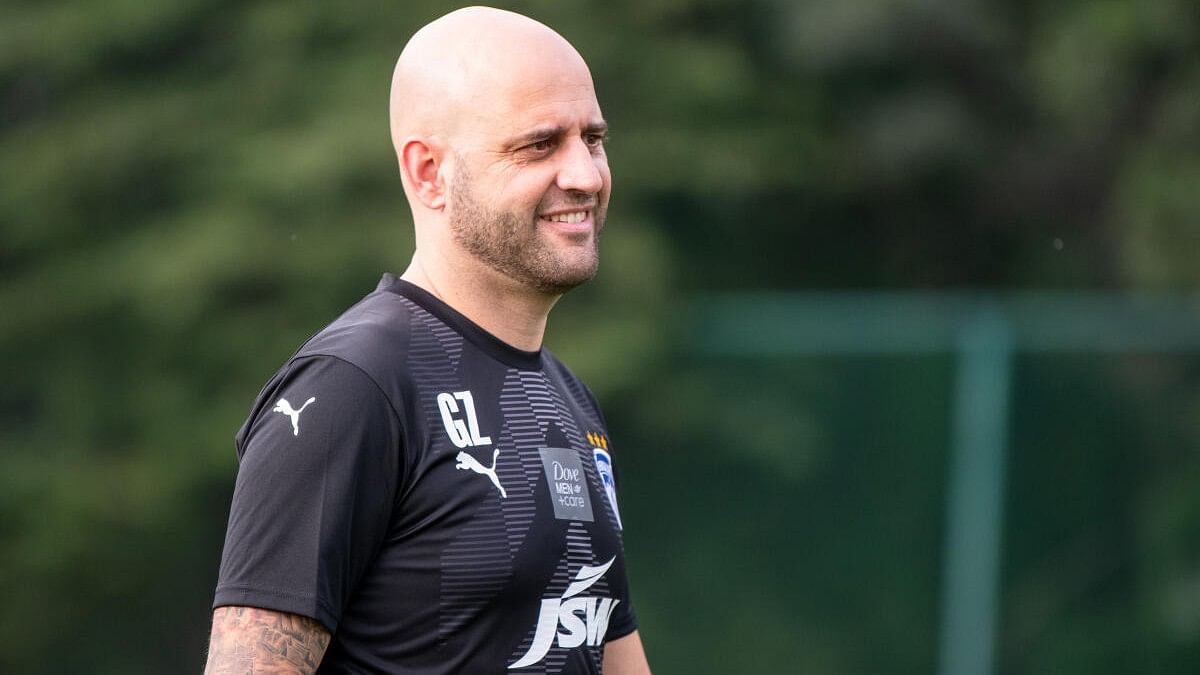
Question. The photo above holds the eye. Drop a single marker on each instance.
(544, 145)
(594, 140)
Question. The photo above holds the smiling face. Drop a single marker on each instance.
(530, 183)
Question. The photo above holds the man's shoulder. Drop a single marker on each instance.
(347, 359)
(369, 335)
(360, 353)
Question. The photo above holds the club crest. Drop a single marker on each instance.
(604, 469)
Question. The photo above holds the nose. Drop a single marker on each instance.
(581, 170)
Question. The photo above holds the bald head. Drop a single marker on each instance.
(475, 61)
(500, 143)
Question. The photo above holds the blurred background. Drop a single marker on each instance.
(895, 330)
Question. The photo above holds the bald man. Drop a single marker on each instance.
(422, 487)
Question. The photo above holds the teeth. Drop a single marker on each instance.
(574, 217)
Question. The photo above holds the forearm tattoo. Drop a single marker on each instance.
(248, 640)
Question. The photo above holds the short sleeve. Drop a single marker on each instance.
(315, 491)
(622, 622)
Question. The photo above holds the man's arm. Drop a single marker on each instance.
(251, 640)
(625, 656)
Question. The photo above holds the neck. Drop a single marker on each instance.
(514, 313)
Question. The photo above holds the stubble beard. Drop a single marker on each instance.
(515, 246)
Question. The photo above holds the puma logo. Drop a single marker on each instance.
(466, 461)
(282, 406)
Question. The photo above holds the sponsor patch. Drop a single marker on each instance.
(567, 483)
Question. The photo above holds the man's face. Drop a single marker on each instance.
(530, 189)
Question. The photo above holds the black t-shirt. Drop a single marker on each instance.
(440, 501)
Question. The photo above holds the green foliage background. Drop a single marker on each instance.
(189, 189)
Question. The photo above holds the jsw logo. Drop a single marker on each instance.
(582, 619)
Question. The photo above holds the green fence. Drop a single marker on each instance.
(866, 439)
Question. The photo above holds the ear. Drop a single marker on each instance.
(420, 165)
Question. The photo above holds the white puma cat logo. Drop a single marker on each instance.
(466, 461)
(282, 406)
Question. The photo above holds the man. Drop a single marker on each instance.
(422, 488)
